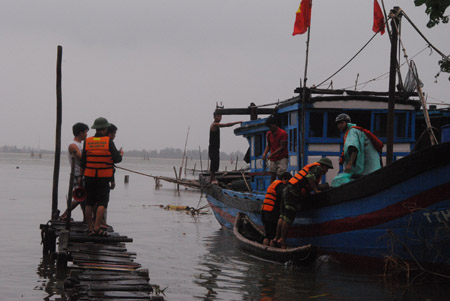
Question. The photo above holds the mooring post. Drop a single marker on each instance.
(55, 212)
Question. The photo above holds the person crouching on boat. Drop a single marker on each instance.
(270, 211)
(361, 154)
(294, 194)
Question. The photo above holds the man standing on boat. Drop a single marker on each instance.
(277, 145)
(271, 207)
(361, 154)
(97, 162)
(297, 189)
(214, 144)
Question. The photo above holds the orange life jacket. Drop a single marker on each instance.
(301, 175)
(377, 143)
(99, 163)
(271, 196)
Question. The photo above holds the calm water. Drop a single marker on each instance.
(192, 257)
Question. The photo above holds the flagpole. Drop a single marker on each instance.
(304, 95)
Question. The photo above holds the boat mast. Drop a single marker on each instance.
(304, 95)
(392, 74)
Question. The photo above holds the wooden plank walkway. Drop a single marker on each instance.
(96, 268)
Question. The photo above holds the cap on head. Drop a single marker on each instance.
(100, 123)
(343, 117)
(326, 162)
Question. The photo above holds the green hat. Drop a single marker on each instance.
(326, 162)
(100, 123)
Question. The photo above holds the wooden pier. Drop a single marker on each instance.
(95, 268)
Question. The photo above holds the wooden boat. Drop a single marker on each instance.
(250, 238)
(399, 211)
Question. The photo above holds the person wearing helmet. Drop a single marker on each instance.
(79, 131)
(97, 163)
(305, 182)
(361, 153)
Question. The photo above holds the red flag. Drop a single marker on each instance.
(302, 17)
(378, 18)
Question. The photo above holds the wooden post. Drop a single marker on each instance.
(184, 153)
(55, 213)
(237, 157)
(200, 152)
(392, 74)
(176, 178)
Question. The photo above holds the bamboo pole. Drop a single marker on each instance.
(55, 213)
(176, 178)
(200, 152)
(184, 153)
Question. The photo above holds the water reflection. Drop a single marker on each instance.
(49, 283)
(226, 273)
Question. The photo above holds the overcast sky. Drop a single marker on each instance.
(156, 67)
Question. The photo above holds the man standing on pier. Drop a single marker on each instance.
(214, 144)
(97, 162)
(80, 131)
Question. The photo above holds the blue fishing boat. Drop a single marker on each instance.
(399, 210)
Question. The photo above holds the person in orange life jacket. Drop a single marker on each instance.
(297, 190)
(271, 207)
(361, 153)
(277, 145)
(214, 144)
(80, 131)
(97, 162)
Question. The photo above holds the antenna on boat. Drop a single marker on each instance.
(356, 81)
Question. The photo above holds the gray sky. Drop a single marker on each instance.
(155, 67)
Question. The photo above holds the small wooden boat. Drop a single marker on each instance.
(250, 239)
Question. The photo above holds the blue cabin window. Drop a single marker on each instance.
(292, 131)
(332, 129)
(401, 128)
(292, 140)
(316, 124)
(258, 145)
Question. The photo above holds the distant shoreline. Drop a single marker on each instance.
(167, 153)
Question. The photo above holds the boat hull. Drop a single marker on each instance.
(250, 239)
(401, 210)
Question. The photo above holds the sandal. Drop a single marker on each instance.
(101, 233)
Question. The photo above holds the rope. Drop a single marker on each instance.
(386, 73)
(349, 61)
(445, 57)
(167, 179)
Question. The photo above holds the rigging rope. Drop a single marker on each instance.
(415, 76)
(345, 65)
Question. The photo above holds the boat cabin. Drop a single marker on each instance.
(321, 135)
